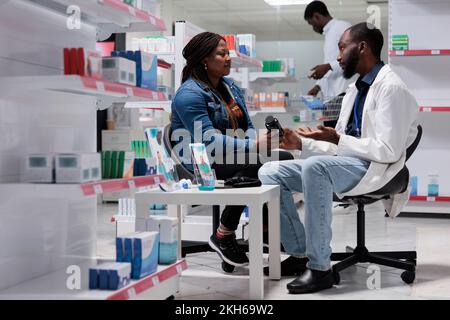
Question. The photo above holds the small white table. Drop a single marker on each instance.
(254, 198)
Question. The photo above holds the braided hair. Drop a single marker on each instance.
(200, 47)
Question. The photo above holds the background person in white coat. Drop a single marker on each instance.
(329, 74)
(366, 150)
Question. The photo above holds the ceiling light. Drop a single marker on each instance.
(286, 2)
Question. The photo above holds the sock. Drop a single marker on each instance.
(223, 231)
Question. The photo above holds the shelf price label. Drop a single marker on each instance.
(98, 189)
(435, 52)
(131, 184)
(427, 109)
(129, 91)
(155, 280)
(400, 53)
(100, 86)
(431, 199)
(132, 11)
(155, 95)
(156, 180)
(131, 292)
(152, 20)
(179, 269)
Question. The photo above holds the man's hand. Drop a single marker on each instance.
(319, 71)
(290, 140)
(322, 133)
(268, 141)
(314, 91)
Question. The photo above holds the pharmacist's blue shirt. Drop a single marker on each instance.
(195, 102)
(363, 85)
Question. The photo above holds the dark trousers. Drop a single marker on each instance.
(232, 214)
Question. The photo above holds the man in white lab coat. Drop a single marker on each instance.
(329, 74)
(366, 150)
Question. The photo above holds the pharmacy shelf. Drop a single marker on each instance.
(165, 60)
(160, 285)
(109, 16)
(269, 78)
(74, 84)
(66, 190)
(429, 199)
(434, 109)
(272, 110)
(152, 105)
(239, 60)
(428, 52)
(116, 185)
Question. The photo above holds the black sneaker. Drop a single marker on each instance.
(229, 250)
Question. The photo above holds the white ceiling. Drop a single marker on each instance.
(266, 22)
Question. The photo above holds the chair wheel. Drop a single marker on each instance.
(408, 276)
(337, 277)
(228, 268)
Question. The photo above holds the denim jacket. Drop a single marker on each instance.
(196, 102)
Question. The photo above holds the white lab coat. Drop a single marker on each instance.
(333, 83)
(389, 126)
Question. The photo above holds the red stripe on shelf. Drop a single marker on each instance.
(90, 83)
(163, 64)
(434, 109)
(118, 4)
(115, 185)
(428, 52)
(148, 282)
(429, 199)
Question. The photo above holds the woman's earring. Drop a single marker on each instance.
(206, 66)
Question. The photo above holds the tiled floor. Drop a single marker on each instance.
(204, 278)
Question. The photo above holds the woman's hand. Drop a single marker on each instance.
(290, 140)
(322, 133)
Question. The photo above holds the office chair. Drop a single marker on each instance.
(405, 260)
(183, 173)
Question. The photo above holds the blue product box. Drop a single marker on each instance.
(413, 183)
(121, 250)
(93, 278)
(119, 276)
(145, 254)
(147, 64)
(168, 230)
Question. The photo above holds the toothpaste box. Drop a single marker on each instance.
(146, 69)
(120, 247)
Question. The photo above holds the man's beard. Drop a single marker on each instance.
(351, 64)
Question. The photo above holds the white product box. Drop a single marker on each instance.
(40, 167)
(118, 69)
(168, 229)
(77, 167)
(248, 40)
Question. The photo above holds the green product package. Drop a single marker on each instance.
(121, 164)
(113, 165)
(107, 165)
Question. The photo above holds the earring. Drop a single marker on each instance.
(206, 66)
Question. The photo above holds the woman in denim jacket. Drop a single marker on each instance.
(211, 108)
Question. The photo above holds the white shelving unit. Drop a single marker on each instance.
(425, 68)
(48, 227)
(108, 16)
(159, 285)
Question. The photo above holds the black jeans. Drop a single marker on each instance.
(232, 214)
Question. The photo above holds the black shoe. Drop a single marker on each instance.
(229, 250)
(291, 266)
(312, 281)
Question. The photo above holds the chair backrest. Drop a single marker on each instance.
(410, 150)
(182, 172)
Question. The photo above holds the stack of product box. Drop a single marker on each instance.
(242, 43)
(141, 249)
(168, 230)
(145, 66)
(400, 42)
(78, 61)
(117, 164)
(63, 167)
(270, 99)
